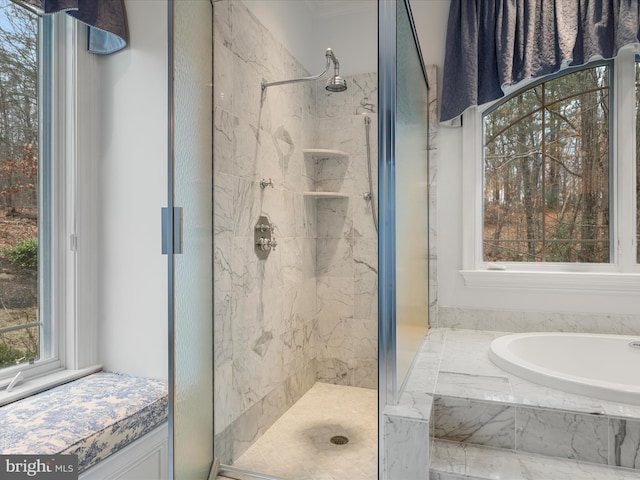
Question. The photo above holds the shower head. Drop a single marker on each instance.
(336, 83)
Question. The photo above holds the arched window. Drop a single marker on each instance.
(547, 171)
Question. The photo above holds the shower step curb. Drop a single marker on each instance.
(457, 461)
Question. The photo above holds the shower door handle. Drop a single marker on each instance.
(172, 230)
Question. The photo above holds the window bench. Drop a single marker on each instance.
(93, 417)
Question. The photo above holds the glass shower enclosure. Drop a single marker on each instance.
(188, 239)
(403, 134)
(196, 341)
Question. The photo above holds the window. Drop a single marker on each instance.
(21, 167)
(547, 170)
(47, 202)
(550, 172)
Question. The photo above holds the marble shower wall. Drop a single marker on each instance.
(308, 312)
(265, 329)
(346, 243)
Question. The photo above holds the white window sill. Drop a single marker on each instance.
(576, 281)
(31, 386)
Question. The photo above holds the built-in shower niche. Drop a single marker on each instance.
(327, 173)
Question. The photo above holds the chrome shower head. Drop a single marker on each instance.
(335, 83)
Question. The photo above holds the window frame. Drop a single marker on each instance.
(621, 275)
(68, 97)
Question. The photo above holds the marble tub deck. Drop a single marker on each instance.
(465, 371)
(477, 403)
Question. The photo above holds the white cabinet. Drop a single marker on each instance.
(145, 459)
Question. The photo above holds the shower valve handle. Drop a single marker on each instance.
(263, 243)
(266, 244)
(266, 227)
(266, 183)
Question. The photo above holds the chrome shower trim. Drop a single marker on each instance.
(330, 57)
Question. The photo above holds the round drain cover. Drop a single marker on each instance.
(339, 440)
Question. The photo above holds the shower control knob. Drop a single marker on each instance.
(263, 237)
(266, 183)
(265, 227)
(264, 244)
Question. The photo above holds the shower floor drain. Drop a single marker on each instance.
(339, 440)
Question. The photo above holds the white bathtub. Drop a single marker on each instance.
(601, 366)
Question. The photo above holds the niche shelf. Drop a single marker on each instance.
(324, 195)
(320, 153)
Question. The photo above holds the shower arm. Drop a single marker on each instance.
(329, 56)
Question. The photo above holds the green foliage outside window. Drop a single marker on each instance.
(23, 254)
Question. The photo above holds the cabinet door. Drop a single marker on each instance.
(144, 459)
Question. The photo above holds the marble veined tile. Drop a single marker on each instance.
(562, 434)
(624, 443)
(334, 218)
(536, 395)
(533, 467)
(468, 352)
(491, 424)
(334, 258)
(224, 124)
(463, 318)
(406, 447)
(468, 461)
(621, 409)
(622, 474)
(415, 405)
(474, 386)
(473, 462)
(424, 373)
(364, 87)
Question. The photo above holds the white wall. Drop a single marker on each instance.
(353, 36)
(431, 19)
(349, 27)
(290, 23)
(132, 177)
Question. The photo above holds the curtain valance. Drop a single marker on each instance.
(494, 44)
(105, 18)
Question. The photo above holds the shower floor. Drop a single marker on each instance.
(298, 447)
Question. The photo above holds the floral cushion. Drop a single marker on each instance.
(92, 417)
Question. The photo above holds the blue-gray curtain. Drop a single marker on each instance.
(494, 44)
(105, 19)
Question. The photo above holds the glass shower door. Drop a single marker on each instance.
(411, 195)
(403, 292)
(190, 215)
